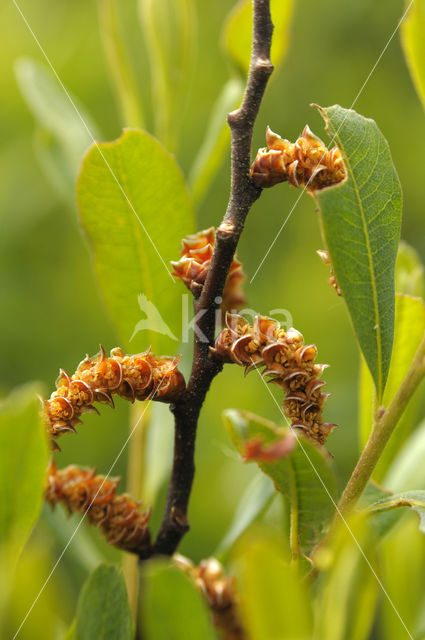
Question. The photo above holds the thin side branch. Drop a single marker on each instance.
(242, 196)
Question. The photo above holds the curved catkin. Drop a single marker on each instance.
(192, 268)
(220, 593)
(304, 163)
(135, 377)
(286, 360)
(117, 516)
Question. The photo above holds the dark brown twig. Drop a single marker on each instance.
(242, 196)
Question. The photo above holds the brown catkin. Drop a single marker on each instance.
(192, 268)
(135, 377)
(304, 163)
(220, 593)
(288, 362)
(117, 516)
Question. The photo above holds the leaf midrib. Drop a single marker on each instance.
(371, 270)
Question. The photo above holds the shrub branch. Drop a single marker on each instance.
(243, 194)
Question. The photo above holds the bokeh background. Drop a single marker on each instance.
(52, 313)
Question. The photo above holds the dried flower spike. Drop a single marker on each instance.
(97, 378)
(324, 256)
(220, 593)
(117, 516)
(305, 163)
(289, 363)
(192, 268)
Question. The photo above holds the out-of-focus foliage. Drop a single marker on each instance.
(172, 608)
(408, 332)
(52, 313)
(412, 37)
(103, 611)
(23, 445)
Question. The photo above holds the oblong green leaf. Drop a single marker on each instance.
(23, 461)
(254, 502)
(304, 475)
(407, 471)
(169, 28)
(237, 32)
(409, 271)
(171, 606)
(135, 209)
(412, 31)
(345, 605)
(361, 220)
(103, 611)
(65, 135)
(216, 140)
(409, 330)
(274, 604)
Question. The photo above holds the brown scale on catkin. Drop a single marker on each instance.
(117, 516)
(135, 377)
(192, 268)
(220, 593)
(289, 363)
(304, 163)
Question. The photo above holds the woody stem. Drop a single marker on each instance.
(243, 194)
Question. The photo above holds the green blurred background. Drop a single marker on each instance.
(52, 313)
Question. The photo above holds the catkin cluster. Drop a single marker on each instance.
(220, 592)
(97, 378)
(304, 163)
(117, 516)
(192, 268)
(289, 363)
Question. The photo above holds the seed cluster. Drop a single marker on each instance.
(97, 378)
(117, 516)
(220, 592)
(304, 163)
(192, 268)
(289, 363)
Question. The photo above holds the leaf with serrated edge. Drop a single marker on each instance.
(361, 220)
(135, 220)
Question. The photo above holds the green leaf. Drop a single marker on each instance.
(407, 472)
(361, 222)
(409, 272)
(412, 32)
(216, 140)
(237, 32)
(413, 499)
(169, 29)
(24, 454)
(345, 605)
(135, 209)
(274, 604)
(70, 634)
(64, 135)
(255, 500)
(302, 475)
(103, 611)
(409, 330)
(171, 606)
